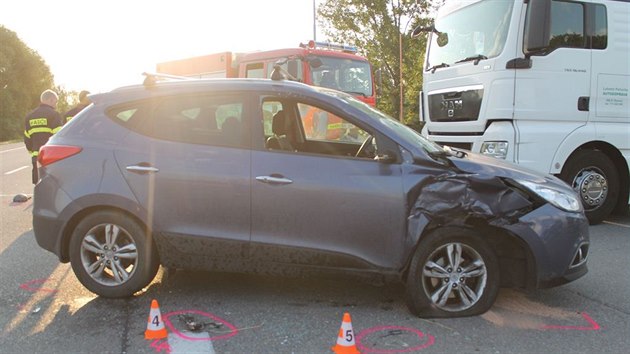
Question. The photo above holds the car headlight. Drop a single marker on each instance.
(564, 199)
(498, 149)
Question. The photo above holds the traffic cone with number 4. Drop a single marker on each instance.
(345, 339)
(155, 326)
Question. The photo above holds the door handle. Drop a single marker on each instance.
(142, 168)
(583, 103)
(274, 179)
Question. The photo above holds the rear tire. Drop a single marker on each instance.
(112, 255)
(453, 273)
(596, 180)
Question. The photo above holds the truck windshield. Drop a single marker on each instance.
(347, 75)
(469, 32)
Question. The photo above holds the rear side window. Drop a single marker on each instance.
(600, 35)
(208, 119)
(578, 25)
(567, 25)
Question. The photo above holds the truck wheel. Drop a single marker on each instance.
(594, 177)
(452, 274)
(111, 254)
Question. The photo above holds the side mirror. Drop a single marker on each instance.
(537, 27)
(442, 39)
(386, 156)
(314, 61)
(419, 30)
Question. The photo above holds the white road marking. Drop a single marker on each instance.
(201, 345)
(16, 170)
(616, 224)
(22, 148)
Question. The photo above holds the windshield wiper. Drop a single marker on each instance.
(447, 151)
(434, 67)
(355, 93)
(477, 58)
(438, 154)
(454, 152)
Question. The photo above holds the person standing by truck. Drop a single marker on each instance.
(84, 101)
(39, 125)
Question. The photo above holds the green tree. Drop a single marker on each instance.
(67, 99)
(377, 28)
(23, 77)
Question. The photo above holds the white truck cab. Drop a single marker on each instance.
(542, 83)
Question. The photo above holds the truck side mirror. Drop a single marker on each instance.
(442, 37)
(537, 27)
(423, 29)
(314, 61)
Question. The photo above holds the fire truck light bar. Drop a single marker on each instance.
(325, 45)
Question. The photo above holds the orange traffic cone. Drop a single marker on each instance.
(155, 326)
(345, 340)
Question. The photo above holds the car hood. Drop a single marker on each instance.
(484, 165)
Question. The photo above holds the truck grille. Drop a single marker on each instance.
(455, 106)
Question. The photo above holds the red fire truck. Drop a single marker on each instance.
(315, 63)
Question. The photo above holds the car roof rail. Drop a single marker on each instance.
(152, 78)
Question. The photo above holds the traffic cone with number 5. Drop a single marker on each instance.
(345, 339)
(155, 326)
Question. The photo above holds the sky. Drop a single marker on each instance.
(100, 45)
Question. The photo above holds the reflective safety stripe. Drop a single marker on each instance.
(39, 130)
(38, 122)
(34, 153)
(334, 126)
(26, 134)
(56, 129)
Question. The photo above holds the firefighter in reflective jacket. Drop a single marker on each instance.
(84, 101)
(40, 125)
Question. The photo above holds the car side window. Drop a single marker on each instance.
(300, 127)
(204, 119)
(319, 124)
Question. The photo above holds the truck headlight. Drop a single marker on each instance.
(498, 149)
(564, 199)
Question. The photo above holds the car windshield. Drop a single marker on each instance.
(408, 134)
(465, 31)
(347, 75)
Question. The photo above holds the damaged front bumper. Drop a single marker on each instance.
(558, 241)
(555, 242)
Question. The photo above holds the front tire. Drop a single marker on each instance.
(112, 255)
(594, 177)
(452, 274)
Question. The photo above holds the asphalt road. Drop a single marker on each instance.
(44, 309)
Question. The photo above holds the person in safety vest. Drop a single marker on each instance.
(40, 125)
(84, 101)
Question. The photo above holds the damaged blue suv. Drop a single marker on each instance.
(283, 178)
